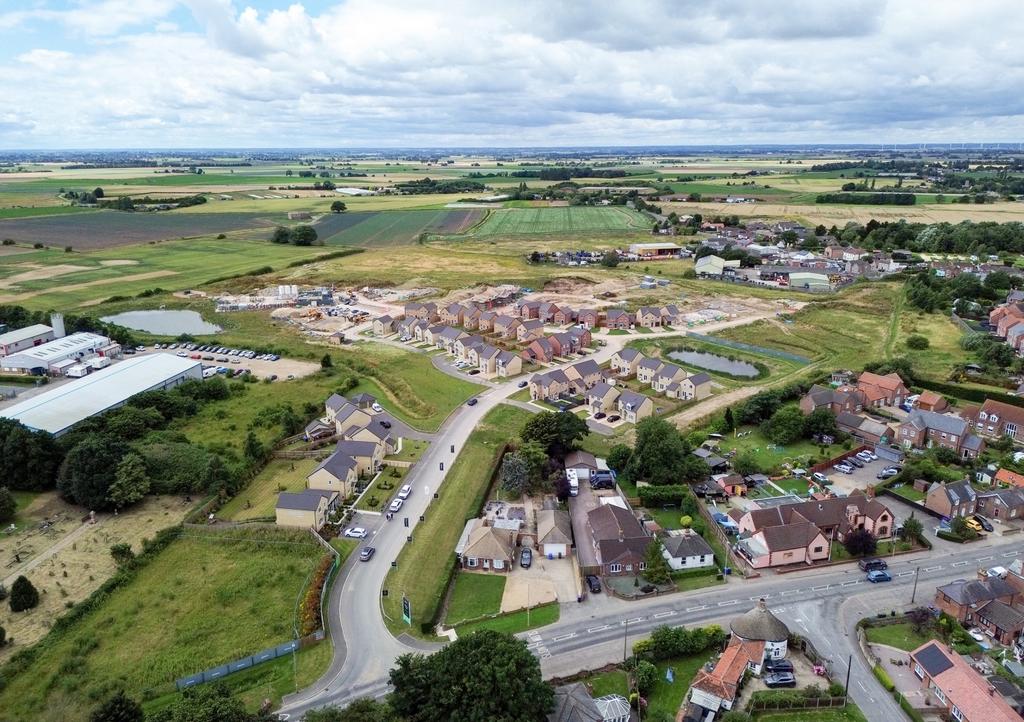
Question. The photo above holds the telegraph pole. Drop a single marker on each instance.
(914, 593)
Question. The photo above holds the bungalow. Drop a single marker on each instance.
(1001, 503)
(956, 498)
(697, 387)
(485, 321)
(666, 375)
(584, 375)
(866, 430)
(506, 326)
(956, 687)
(601, 398)
(588, 318)
(794, 543)
(383, 325)
(845, 399)
(647, 369)
(338, 472)
(620, 540)
(554, 533)
(306, 509)
(648, 317)
(540, 350)
(583, 463)
(687, 550)
(452, 314)
(634, 407)
(367, 455)
(888, 390)
(487, 548)
(617, 319)
(550, 385)
(625, 361)
(529, 330)
(508, 364)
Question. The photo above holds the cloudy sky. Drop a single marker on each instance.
(266, 73)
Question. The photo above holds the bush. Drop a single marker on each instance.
(917, 342)
(23, 595)
(883, 678)
(949, 536)
(658, 496)
(645, 675)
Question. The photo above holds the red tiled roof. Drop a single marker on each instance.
(968, 690)
(1010, 477)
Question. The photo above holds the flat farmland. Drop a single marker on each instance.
(106, 229)
(576, 219)
(397, 228)
(54, 279)
(839, 215)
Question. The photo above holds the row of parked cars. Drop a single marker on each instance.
(184, 348)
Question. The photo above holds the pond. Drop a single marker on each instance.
(164, 323)
(714, 362)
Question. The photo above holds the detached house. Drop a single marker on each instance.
(447, 336)
(666, 375)
(529, 330)
(487, 358)
(845, 399)
(338, 472)
(634, 407)
(584, 375)
(617, 319)
(925, 429)
(602, 398)
(307, 509)
(956, 498)
(508, 364)
(540, 350)
(964, 598)
(383, 325)
(471, 318)
(368, 455)
(647, 369)
(888, 390)
(697, 387)
(550, 385)
(506, 326)
(486, 548)
(620, 540)
(588, 318)
(648, 317)
(452, 314)
(423, 311)
(625, 361)
(956, 688)
(485, 321)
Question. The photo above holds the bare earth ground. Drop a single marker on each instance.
(68, 562)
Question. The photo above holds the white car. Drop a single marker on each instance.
(355, 532)
(405, 491)
(871, 455)
(799, 472)
(820, 478)
(377, 407)
(396, 505)
(977, 636)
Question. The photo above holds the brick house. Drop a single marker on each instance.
(845, 399)
(620, 540)
(1001, 503)
(956, 688)
(964, 598)
(995, 419)
(588, 317)
(931, 401)
(956, 498)
(617, 319)
(528, 309)
(625, 361)
(506, 326)
(540, 350)
(888, 390)
(927, 429)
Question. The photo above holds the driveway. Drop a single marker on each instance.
(859, 479)
(579, 507)
(547, 580)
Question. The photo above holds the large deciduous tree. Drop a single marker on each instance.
(8, 506)
(662, 456)
(88, 471)
(556, 432)
(29, 460)
(205, 703)
(118, 708)
(131, 482)
(785, 426)
(860, 543)
(485, 676)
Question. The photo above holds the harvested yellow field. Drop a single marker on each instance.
(840, 215)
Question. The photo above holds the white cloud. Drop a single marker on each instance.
(433, 72)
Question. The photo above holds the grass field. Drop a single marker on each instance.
(259, 498)
(474, 596)
(575, 219)
(515, 622)
(33, 211)
(770, 456)
(54, 279)
(396, 228)
(812, 214)
(666, 697)
(107, 229)
(202, 601)
(901, 636)
(423, 566)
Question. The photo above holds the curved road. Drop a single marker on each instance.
(364, 649)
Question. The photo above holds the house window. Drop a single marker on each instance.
(957, 714)
(982, 416)
(1010, 429)
(918, 670)
(703, 558)
(643, 565)
(817, 550)
(471, 563)
(938, 693)
(615, 568)
(629, 567)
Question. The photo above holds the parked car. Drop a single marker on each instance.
(600, 415)
(386, 424)
(778, 665)
(779, 679)
(856, 462)
(473, 372)
(845, 468)
(887, 473)
(864, 456)
(614, 418)
(365, 553)
(522, 384)
(471, 402)
(878, 575)
(377, 407)
(973, 525)
(525, 558)
(593, 584)
(819, 477)
(405, 491)
(355, 532)
(396, 505)
(985, 523)
(871, 455)
(977, 636)
(870, 565)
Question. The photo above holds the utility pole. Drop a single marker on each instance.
(849, 666)
(914, 593)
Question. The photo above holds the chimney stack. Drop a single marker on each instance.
(57, 324)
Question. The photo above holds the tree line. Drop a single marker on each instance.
(868, 199)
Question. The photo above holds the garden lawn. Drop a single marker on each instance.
(666, 697)
(770, 456)
(901, 636)
(380, 491)
(259, 499)
(474, 596)
(412, 450)
(425, 565)
(849, 713)
(515, 622)
(205, 600)
(908, 492)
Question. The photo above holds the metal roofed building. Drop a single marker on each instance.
(61, 408)
(23, 338)
(41, 357)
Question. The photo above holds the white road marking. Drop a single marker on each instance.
(985, 559)
(760, 597)
(959, 564)
(936, 567)
(862, 685)
(905, 574)
(697, 609)
(659, 615)
(820, 588)
(597, 629)
(632, 621)
(792, 591)
(729, 603)
(1010, 554)
(563, 637)
(850, 584)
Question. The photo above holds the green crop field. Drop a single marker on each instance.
(54, 279)
(204, 600)
(32, 211)
(395, 228)
(576, 219)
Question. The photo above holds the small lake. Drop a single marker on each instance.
(164, 323)
(714, 362)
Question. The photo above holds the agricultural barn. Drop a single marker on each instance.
(647, 251)
(39, 359)
(61, 408)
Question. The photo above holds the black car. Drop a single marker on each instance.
(872, 565)
(471, 402)
(985, 523)
(778, 665)
(600, 415)
(780, 679)
(594, 584)
(386, 424)
(522, 384)
(613, 419)
(525, 558)
(365, 553)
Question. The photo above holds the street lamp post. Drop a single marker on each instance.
(914, 593)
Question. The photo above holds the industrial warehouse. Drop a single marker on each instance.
(61, 408)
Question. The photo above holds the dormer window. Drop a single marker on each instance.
(994, 419)
(982, 416)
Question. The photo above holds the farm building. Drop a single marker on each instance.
(61, 408)
(24, 338)
(648, 251)
(39, 359)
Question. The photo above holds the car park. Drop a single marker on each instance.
(396, 505)
(366, 553)
(405, 491)
(845, 468)
(985, 523)
(593, 584)
(879, 575)
(887, 473)
(525, 558)
(355, 532)
(855, 461)
(779, 679)
(871, 564)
